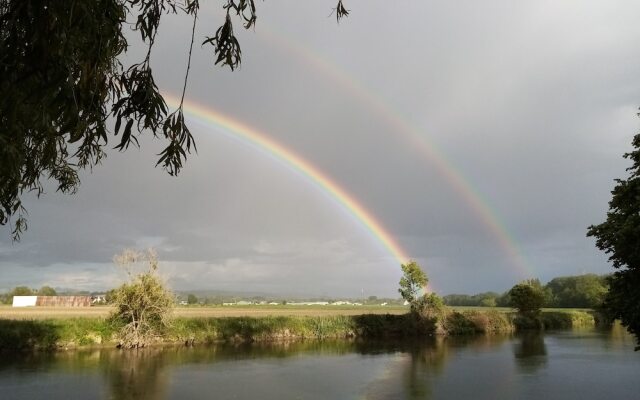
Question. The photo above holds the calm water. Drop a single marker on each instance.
(564, 365)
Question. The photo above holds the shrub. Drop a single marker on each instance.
(143, 305)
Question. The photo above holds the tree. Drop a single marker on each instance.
(142, 305)
(192, 299)
(21, 291)
(488, 302)
(413, 282)
(62, 79)
(619, 236)
(582, 291)
(47, 291)
(528, 298)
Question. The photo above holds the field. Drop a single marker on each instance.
(8, 312)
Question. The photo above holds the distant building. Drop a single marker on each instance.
(52, 301)
(25, 301)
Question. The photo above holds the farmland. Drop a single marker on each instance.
(8, 312)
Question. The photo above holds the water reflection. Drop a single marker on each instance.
(530, 351)
(135, 374)
(481, 367)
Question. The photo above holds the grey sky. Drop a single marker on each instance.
(532, 102)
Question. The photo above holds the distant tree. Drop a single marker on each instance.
(457, 300)
(192, 299)
(47, 291)
(142, 305)
(503, 300)
(109, 296)
(486, 299)
(21, 291)
(62, 77)
(488, 302)
(582, 291)
(619, 237)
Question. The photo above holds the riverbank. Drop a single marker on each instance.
(61, 333)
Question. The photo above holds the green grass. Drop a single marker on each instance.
(73, 332)
(568, 319)
(488, 320)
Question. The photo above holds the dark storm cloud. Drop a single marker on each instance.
(532, 103)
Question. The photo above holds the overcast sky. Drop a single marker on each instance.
(529, 104)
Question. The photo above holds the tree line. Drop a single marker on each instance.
(7, 298)
(580, 291)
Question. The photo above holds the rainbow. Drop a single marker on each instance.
(287, 156)
(465, 189)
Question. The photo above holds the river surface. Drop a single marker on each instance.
(565, 365)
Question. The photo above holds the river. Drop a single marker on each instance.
(579, 364)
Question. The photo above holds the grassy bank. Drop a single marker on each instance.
(42, 334)
(62, 333)
(494, 321)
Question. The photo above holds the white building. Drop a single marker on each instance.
(25, 301)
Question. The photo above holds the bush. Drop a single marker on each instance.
(143, 305)
(471, 322)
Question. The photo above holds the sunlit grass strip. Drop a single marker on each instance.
(48, 334)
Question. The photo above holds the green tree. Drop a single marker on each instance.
(488, 302)
(582, 291)
(21, 291)
(62, 76)
(619, 236)
(142, 305)
(427, 307)
(528, 298)
(413, 281)
(47, 291)
(109, 296)
(192, 299)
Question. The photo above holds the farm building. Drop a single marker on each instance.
(51, 301)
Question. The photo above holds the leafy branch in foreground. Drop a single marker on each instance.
(63, 82)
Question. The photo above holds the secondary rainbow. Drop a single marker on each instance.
(381, 109)
(290, 158)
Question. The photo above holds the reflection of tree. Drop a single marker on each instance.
(530, 352)
(617, 337)
(425, 359)
(408, 376)
(417, 364)
(135, 374)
